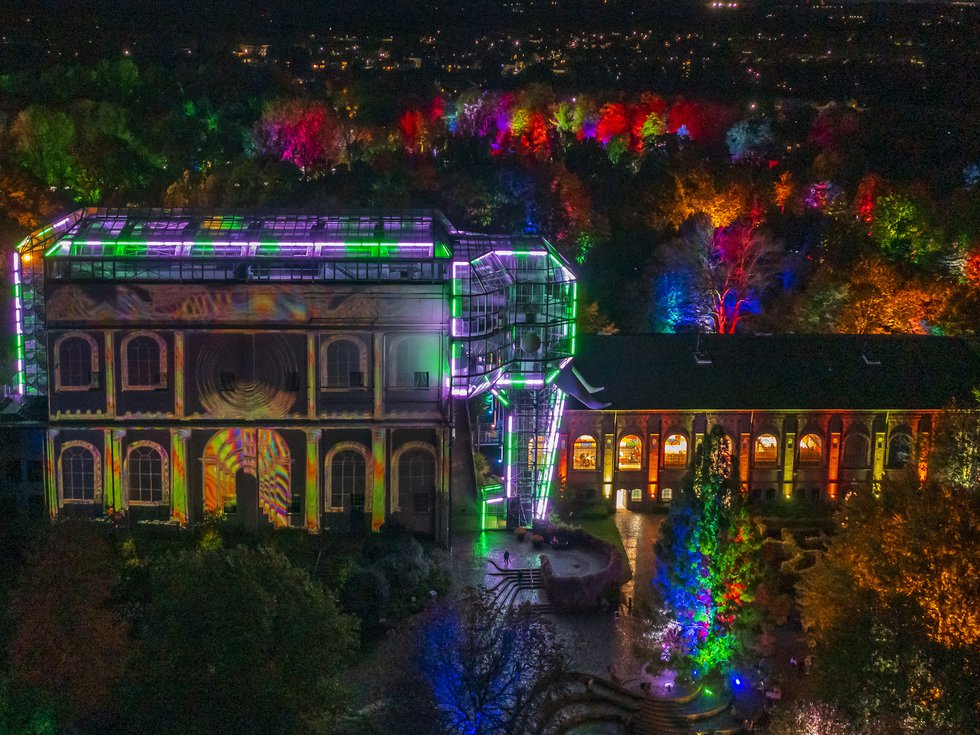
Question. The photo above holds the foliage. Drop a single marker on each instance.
(69, 647)
(302, 132)
(903, 229)
(482, 663)
(749, 139)
(592, 321)
(891, 608)
(708, 564)
(236, 641)
(955, 456)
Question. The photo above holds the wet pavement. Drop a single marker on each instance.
(595, 641)
(639, 532)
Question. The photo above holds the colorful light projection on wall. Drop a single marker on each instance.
(261, 453)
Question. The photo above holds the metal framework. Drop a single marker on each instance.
(512, 299)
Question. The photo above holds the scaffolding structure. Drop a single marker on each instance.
(513, 314)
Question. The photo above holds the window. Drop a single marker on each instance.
(146, 474)
(584, 453)
(536, 451)
(856, 450)
(811, 449)
(675, 451)
(145, 362)
(766, 449)
(421, 379)
(79, 469)
(226, 382)
(667, 494)
(344, 368)
(77, 362)
(899, 450)
(636, 495)
(347, 480)
(417, 478)
(630, 452)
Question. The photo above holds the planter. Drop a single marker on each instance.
(538, 540)
(520, 532)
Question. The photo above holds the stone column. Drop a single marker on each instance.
(379, 455)
(178, 473)
(51, 474)
(313, 491)
(117, 499)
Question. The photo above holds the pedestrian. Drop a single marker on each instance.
(506, 557)
(629, 605)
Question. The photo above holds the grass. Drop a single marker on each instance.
(606, 529)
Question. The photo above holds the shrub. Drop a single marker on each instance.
(520, 532)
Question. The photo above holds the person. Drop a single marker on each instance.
(506, 557)
(629, 605)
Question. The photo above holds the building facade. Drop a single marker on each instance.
(281, 369)
(809, 418)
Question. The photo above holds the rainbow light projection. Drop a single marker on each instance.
(512, 310)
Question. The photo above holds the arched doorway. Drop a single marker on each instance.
(247, 472)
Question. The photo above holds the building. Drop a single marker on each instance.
(809, 417)
(285, 369)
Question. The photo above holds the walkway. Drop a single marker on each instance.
(639, 532)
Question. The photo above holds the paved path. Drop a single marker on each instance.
(639, 532)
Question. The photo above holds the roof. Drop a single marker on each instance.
(165, 233)
(787, 371)
(110, 233)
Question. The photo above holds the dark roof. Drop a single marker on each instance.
(786, 371)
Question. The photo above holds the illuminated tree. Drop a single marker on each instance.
(783, 190)
(43, 139)
(749, 140)
(891, 608)
(482, 663)
(955, 455)
(592, 321)
(811, 718)
(729, 270)
(869, 189)
(302, 132)
(708, 563)
(695, 192)
(903, 230)
(876, 298)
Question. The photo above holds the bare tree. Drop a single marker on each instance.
(729, 268)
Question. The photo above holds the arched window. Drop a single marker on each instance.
(899, 450)
(144, 361)
(667, 494)
(348, 479)
(146, 474)
(584, 453)
(811, 449)
(344, 364)
(636, 495)
(630, 453)
(417, 479)
(79, 470)
(77, 362)
(766, 449)
(675, 451)
(856, 450)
